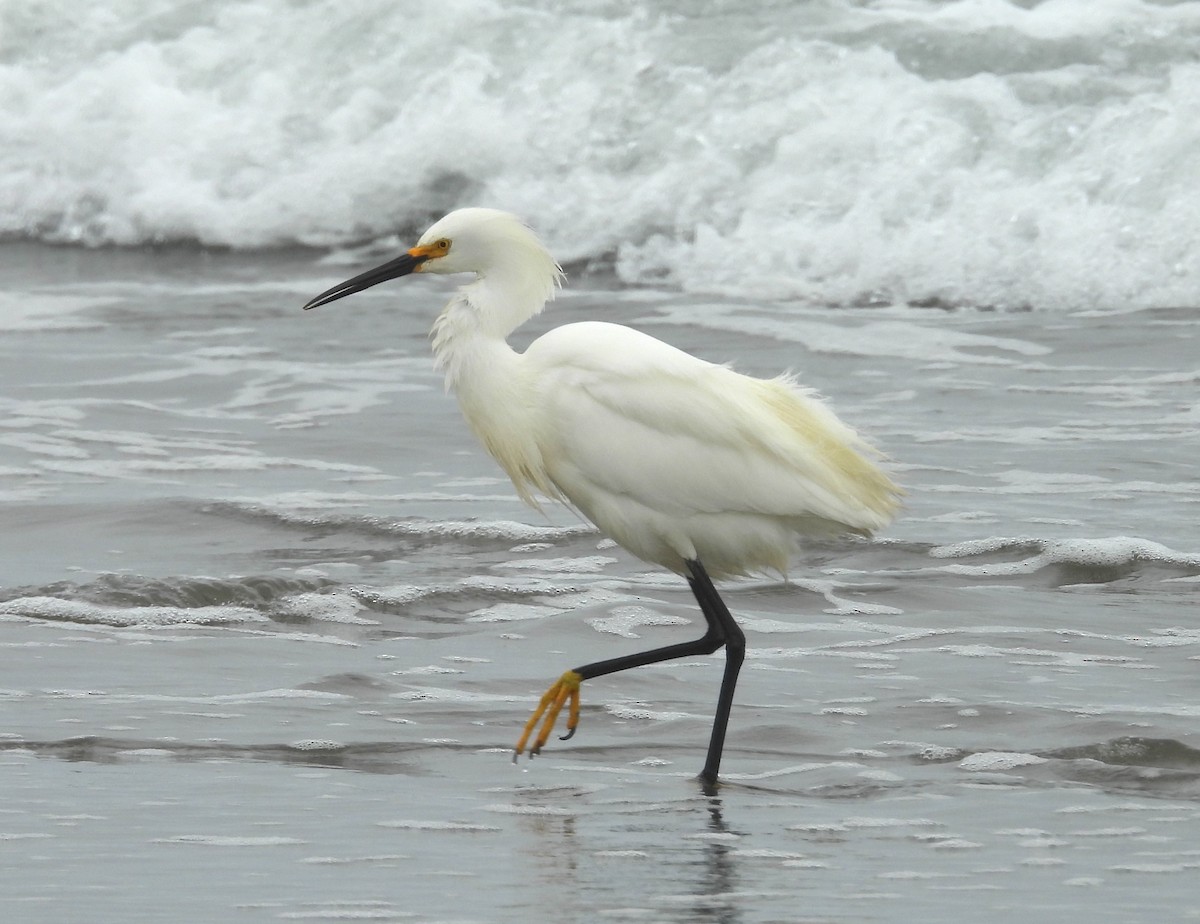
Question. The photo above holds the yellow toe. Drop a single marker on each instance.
(562, 691)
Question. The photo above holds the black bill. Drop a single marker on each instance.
(401, 266)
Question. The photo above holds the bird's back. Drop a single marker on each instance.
(677, 458)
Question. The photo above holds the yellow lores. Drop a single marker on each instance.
(684, 463)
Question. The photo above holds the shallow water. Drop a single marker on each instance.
(272, 622)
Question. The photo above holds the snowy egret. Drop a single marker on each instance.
(684, 463)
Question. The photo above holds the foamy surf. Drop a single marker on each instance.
(976, 152)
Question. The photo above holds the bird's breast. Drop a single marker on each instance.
(497, 398)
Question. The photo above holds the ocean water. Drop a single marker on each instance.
(270, 621)
(982, 151)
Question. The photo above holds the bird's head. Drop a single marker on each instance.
(472, 240)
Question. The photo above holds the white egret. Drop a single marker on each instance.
(686, 464)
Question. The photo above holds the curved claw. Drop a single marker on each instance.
(563, 690)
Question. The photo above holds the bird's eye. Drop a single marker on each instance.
(443, 245)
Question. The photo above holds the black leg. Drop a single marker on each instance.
(715, 611)
(722, 630)
(712, 639)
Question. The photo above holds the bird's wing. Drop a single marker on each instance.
(629, 416)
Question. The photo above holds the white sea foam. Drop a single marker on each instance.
(218, 840)
(641, 713)
(317, 744)
(510, 809)
(622, 620)
(590, 564)
(340, 608)
(78, 611)
(905, 149)
(1096, 553)
(450, 826)
(443, 695)
(993, 761)
(297, 508)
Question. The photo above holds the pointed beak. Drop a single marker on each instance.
(404, 264)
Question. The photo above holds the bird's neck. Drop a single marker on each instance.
(491, 384)
(463, 351)
(506, 297)
(481, 315)
(469, 344)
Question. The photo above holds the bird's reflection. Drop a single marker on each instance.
(720, 880)
(676, 860)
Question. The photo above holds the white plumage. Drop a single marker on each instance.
(685, 463)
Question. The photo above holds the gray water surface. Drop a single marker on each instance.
(271, 623)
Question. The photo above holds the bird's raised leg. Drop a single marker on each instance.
(722, 630)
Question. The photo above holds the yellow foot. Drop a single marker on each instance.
(563, 689)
